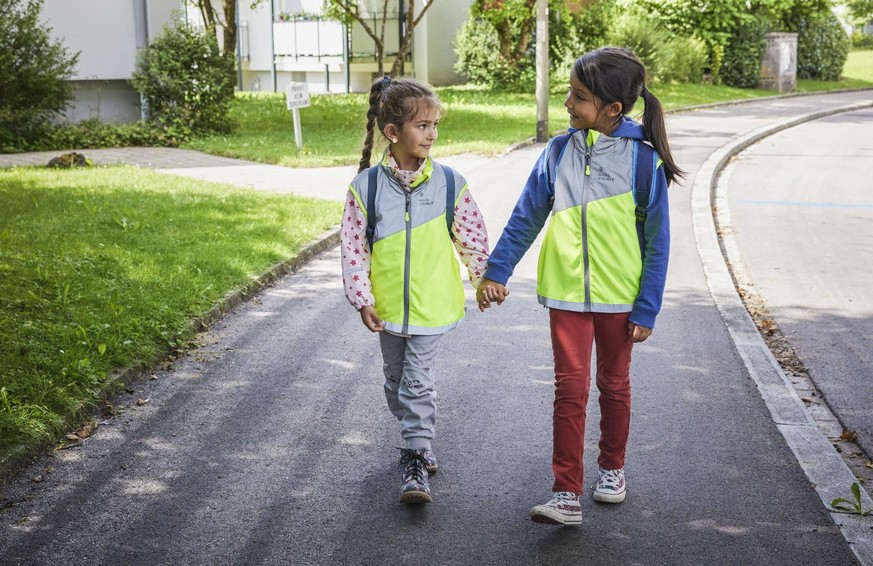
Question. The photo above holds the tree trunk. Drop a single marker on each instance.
(406, 42)
(229, 7)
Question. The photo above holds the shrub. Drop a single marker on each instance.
(667, 57)
(94, 134)
(186, 81)
(862, 41)
(474, 47)
(642, 36)
(573, 30)
(34, 72)
(822, 47)
(741, 66)
(681, 60)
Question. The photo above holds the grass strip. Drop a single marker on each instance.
(477, 120)
(106, 268)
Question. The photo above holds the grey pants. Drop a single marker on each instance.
(408, 363)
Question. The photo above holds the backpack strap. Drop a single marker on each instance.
(371, 204)
(450, 198)
(371, 201)
(644, 161)
(556, 146)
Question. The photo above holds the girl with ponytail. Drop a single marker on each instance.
(603, 261)
(406, 222)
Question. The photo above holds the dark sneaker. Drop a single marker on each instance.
(415, 488)
(431, 461)
(562, 509)
(611, 487)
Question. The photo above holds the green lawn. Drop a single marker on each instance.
(103, 269)
(476, 120)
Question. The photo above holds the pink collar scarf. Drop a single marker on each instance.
(406, 178)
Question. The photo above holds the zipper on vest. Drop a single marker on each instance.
(405, 329)
(586, 275)
(587, 160)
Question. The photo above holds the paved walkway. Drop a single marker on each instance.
(246, 454)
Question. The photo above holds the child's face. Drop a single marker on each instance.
(587, 112)
(417, 136)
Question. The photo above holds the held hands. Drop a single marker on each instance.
(371, 320)
(638, 333)
(489, 291)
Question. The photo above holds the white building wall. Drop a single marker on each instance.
(433, 56)
(444, 20)
(106, 35)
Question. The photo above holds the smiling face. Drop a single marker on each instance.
(587, 112)
(415, 137)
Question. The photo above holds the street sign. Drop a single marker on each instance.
(297, 95)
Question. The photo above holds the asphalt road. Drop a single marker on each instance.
(271, 444)
(801, 203)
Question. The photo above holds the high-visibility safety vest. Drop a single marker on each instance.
(414, 270)
(593, 236)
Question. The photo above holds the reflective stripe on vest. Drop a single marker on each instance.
(590, 259)
(415, 274)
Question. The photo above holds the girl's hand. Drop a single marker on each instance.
(638, 333)
(371, 320)
(490, 291)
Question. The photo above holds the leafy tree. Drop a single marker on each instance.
(349, 13)
(861, 10)
(34, 71)
(575, 26)
(186, 81)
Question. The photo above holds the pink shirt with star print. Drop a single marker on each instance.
(471, 241)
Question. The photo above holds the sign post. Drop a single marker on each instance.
(297, 97)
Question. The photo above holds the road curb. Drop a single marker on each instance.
(821, 463)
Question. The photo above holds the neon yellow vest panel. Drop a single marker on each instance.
(415, 273)
(590, 259)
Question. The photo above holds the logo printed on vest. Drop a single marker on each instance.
(603, 175)
(425, 201)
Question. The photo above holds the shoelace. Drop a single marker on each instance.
(415, 465)
(561, 496)
(610, 479)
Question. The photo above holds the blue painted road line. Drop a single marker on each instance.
(792, 203)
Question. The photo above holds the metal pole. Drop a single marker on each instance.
(239, 73)
(273, 44)
(298, 132)
(542, 58)
(346, 58)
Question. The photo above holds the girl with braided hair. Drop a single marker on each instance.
(407, 221)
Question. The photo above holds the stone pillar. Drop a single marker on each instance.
(779, 62)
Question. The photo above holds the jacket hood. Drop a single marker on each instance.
(628, 128)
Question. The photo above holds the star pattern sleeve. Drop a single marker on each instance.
(355, 255)
(471, 237)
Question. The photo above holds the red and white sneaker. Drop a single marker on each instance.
(562, 509)
(611, 487)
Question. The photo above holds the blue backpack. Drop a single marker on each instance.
(371, 200)
(644, 160)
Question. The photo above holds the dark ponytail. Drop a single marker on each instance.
(615, 74)
(394, 101)
(656, 133)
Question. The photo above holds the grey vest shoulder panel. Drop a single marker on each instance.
(427, 201)
(611, 162)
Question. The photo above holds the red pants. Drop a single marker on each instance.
(572, 337)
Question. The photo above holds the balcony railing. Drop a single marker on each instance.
(313, 38)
